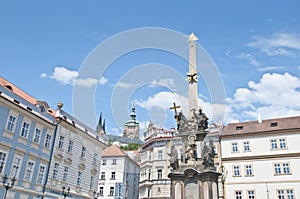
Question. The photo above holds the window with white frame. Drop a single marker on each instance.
(24, 129)
(37, 135)
(114, 161)
(101, 191)
(61, 142)
(104, 162)
(70, 146)
(66, 173)
(41, 174)
(29, 170)
(16, 167)
(234, 147)
(113, 175)
(246, 146)
(290, 194)
(95, 159)
(274, 144)
(251, 194)
(282, 168)
(83, 150)
(2, 160)
(111, 191)
(285, 194)
(159, 174)
(11, 122)
(79, 176)
(160, 155)
(236, 170)
(55, 170)
(279, 143)
(47, 141)
(277, 168)
(102, 176)
(282, 143)
(238, 195)
(249, 170)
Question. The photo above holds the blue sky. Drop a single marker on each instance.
(255, 46)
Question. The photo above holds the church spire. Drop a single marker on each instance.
(192, 76)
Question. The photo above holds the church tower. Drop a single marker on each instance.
(132, 127)
(101, 126)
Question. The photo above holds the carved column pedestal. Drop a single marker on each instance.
(192, 184)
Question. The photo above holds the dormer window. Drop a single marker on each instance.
(9, 87)
(239, 127)
(273, 124)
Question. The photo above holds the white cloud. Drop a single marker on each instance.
(69, 77)
(270, 68)
(103, 80)
(125, 85)
(276, 44)
(248, 57)
(275, 95)
(168, 83)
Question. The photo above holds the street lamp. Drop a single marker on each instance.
(58, 118)
(65, 191)
(8, 185)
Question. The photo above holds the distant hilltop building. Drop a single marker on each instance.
(101, 126)
(132, 127)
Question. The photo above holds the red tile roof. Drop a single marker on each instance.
(19, 92)
(113, 151)
(277, 124)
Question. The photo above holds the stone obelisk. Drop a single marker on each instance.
(192, 76)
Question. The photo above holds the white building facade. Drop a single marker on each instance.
(154, 181)
(119, 175)
(261, 159)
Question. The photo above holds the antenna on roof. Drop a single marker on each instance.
(259, 120)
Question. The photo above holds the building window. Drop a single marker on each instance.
(37, 135)
(278, 144)
(2, 160)
(249, 170)
(277, 169)
(11, 123)
(113, 175)
(41, 174)
(282, 143)
(103, 162)
(290, 194)
(238, 195)
(28, 172)
(70, 147)
(251, 195)
(160, 155)
(47, 141)
(234, 147)
(61, 142)
(83, 150)
(55, 170)
(274, 144)
(111, 191)
(92, 183)
(102, 175)
(236, 170)
(79, 178)
(246, 146)
(66, 172)
(16, 167)
(159, 174)
(114, 161)
(282, 168)
(101, 191)
(24, 130)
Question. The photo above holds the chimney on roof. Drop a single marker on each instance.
(259, 120)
